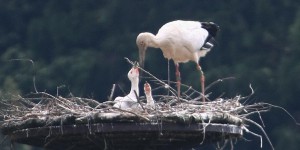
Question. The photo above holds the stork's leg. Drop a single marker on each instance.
(168, 76)
(178, 79)
(202, 81)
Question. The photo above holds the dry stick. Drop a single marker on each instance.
(105, 143)
(231, 145)
(146, 119)
(261, 128)
(189, 88)
(124, 93)
(49, 142)
(88, 99)
(186, 91)
(297, 123)
(173, 91)
(112, 92)
(248, 97)
(264, 109)
(224, 145)
(58, 87)
(129, 61)
(174, 95)
(257, 135)
(94, 142)
(261, 119)
(218, 146)
(204, 128)
(59, 101)
(32, 62)
(217, 81)
(251, 113)
(49, 134)
(138, 99)
(163, 85)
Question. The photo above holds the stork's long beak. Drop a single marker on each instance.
(142, 52)
(135, 64)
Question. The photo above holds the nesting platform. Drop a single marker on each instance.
(125, 136)
(78, 123)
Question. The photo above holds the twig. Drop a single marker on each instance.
(296, 122)
(261, 128)
(261, 119)
(138, 99)
(257, 135)
(158, 80)
(231, 145)
(144, 118)
(217, 81)
(34, 74)
(112, 92)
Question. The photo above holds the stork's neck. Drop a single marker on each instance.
(149, 98)
(153, 41)
(134, 87)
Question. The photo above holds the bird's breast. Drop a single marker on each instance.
(178, 55)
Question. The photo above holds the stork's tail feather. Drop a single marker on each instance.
(209, 43)
(207, 46)
(203, 52)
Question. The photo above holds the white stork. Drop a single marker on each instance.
(130, 101)
(181, 41)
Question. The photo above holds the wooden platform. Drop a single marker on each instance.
(125, 136)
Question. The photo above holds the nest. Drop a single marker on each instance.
(45, 120)
(51, 115)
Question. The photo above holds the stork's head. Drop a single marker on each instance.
(143, 40)
(147, 89)
(211, 27)
(133, 74)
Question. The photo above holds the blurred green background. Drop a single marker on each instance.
(80, 45)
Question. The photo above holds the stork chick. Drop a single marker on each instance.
(130, 101)
(181, 41)
(148, 94)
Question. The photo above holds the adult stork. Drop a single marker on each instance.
(181, 41)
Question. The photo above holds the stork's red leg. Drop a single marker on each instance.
(178, 79)
(202, 81)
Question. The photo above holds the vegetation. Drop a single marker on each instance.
(79, 47)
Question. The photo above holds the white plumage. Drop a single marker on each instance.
(130, 101)
(148, 94)
(181, 41)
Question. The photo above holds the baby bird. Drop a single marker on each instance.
(149, 98)
(130, 101)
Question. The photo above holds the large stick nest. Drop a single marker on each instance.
(41, 109)
(48, 110)
(44, 110)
